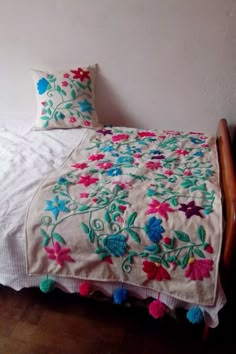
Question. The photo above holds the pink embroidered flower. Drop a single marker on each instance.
(108, 260)
(87, 123)
(119, 137)
(87, 180)
(187, 173)
(205, 145)
(80, 166)
(43, 112)
(167, 240)
(153, 165)
(168, 173)
(198, 269)
(161, 136)
(146, 134)
(95, 200)
(59, 254)
(155, 271)
(196, 133)
(105, 165)
(119, 219)
(43, 103)
(96, 157)
(181, 152)
(64, 83)
(122, 185)
(72, 119)
(80, 74)
(66, 75)
(137, 156)
(83, 195)
(161, 208)
(209, 249)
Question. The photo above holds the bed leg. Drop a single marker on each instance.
(205, 333)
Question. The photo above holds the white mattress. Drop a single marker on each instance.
(27, 157)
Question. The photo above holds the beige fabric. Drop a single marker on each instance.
(136, 192)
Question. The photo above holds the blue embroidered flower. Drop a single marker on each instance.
(154, 229)
(107, 148)
(62, 180)
(43, 85)
(197, 141)
(56, 206)
(86, 106)
(114, 172)
(115, 244)
(125, 159)
(199, 153)
(133, 149)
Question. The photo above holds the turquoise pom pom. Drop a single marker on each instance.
(47, 285)
(195, 315)
(120, 295)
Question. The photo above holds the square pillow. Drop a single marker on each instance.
(65, 99)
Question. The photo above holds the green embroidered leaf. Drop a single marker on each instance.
(164, 263)
(44, 117)
(107, 217)
(184, 261)
(155, 248)
(50, 103)
(49, 111)
(44, 233)
(208, 211)
(112, 207)
(170, 258)
(151, 193)
(199, 253)
(202, 187)
(58, 88)
(80, 85)
(114, 216)
(63, 92)
(123, 195)
(45, 241)
(201, 233)
(73, 94)
(131, 219)
(85, 227)
(91, 235)
(187, 183)
(182, 236)
(134, 235)
(63, 194)
(68, 105)
(78, 113)
(104, 255)
(173, 201)
(121, 201)
(154, 259)
(59, 238)
(45, 124)
(144, 254)
(83, 208)
(100, 250)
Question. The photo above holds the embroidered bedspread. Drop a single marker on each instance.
(133, 206)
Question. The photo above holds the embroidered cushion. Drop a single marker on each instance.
(65, 99)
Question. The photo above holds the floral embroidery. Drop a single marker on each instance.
(81, 166)
(119, 137)
(104, 131)
(59, 254)
(114, 172)
(154, 229)
(96, 157)
(191, 209)
(42, 86)
(56, 206)
(155, 271)
(105, 165)
(80, 74)
(160, 208)
(198, 269)
(87, 180)
(86, 106)
(146, 134)
(153, 165)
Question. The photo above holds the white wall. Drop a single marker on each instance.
(162, 63)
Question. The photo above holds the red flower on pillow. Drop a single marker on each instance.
(96, 157)
(80, 166)
(87, 180)
(145, 134)
(119, 137)
(155, 271)
(80, 74)
(198, 269)
(153, 165)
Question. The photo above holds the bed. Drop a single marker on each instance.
(31, 156)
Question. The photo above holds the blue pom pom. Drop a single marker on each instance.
(47, 285)
(195, 315)
(120, 295)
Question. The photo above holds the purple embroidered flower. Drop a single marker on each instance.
(104, 131)
(158, 157)
(191, 209)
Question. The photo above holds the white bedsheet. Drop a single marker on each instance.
(27, 157)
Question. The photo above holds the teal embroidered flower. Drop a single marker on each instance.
(125, 159)
(115, 244)
(114, 172)
(197, 141)
(43, 85)
(62, 180)
(56, 206)
(107, 148)
(85, 106)
(154, 229)
(199, 153)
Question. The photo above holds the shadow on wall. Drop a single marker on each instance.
(109, 105)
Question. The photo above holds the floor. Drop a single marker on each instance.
(58, 323)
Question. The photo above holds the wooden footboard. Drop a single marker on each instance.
(228, 185)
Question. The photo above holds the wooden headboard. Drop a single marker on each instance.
(228, 185)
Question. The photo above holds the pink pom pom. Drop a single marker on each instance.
(85, 288)
(157, 309)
